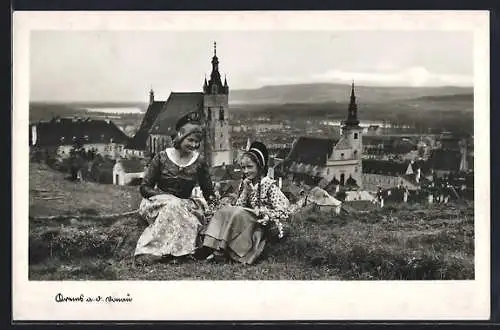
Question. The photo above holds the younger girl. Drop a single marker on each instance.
(242, 230)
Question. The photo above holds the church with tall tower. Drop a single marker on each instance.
(217, 144)
(158, 125)
(328, 161)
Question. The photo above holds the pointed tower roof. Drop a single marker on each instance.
(205, 85)
(215, 78)
(352, 111)
(226, 87)
(151, 95)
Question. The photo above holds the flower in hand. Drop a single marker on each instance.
(214, 202)
(246, 183)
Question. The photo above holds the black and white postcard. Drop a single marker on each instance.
(251, 165)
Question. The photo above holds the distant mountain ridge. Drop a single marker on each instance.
(324, 92)
(297, 96)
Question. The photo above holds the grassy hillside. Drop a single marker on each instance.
(398, 242)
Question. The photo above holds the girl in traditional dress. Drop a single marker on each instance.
(175, 218)
(242, 230)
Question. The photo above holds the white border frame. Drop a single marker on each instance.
(254, 300)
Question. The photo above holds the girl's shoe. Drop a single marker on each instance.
(202, 253)
(216, 256)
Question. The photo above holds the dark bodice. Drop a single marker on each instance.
(170, 178)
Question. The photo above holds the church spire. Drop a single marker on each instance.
(226, 87)
(205, 85)
(352, 110)
(151, 95)
(215, 60)
(215, 85)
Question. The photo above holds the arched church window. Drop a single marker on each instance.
(209, 113)
(214, 89)
(355, 154)
(342, 155)
(355, 136)
(221, 113)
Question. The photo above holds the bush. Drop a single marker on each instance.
(101, 171)
(105, 177)
(135, 182)
(341, 195)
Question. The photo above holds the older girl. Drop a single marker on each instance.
(242, 230)
(175, 218)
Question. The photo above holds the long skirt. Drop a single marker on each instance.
(174, 226)
(236, 231)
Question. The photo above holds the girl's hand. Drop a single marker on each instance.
(263, 221)
(154, 197)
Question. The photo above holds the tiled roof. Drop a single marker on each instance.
(445, 159)
(312, 150)
(388, 144)
(411, 178)
(322, 197)
(388, 167)
(63, 131)
(138, 142)
(177, 105)
(376, 140)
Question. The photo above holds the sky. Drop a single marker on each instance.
(124, 65)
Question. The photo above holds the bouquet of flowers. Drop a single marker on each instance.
(273, 225)
(212, 206)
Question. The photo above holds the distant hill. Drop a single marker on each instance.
(325, 93)
(448, 98)
(94, 104)
(47, 110)
(311, 98)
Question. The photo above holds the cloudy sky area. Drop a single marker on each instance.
(121, 66)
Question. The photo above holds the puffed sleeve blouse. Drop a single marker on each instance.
(271, 202)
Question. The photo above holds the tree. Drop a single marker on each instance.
(77, 159)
